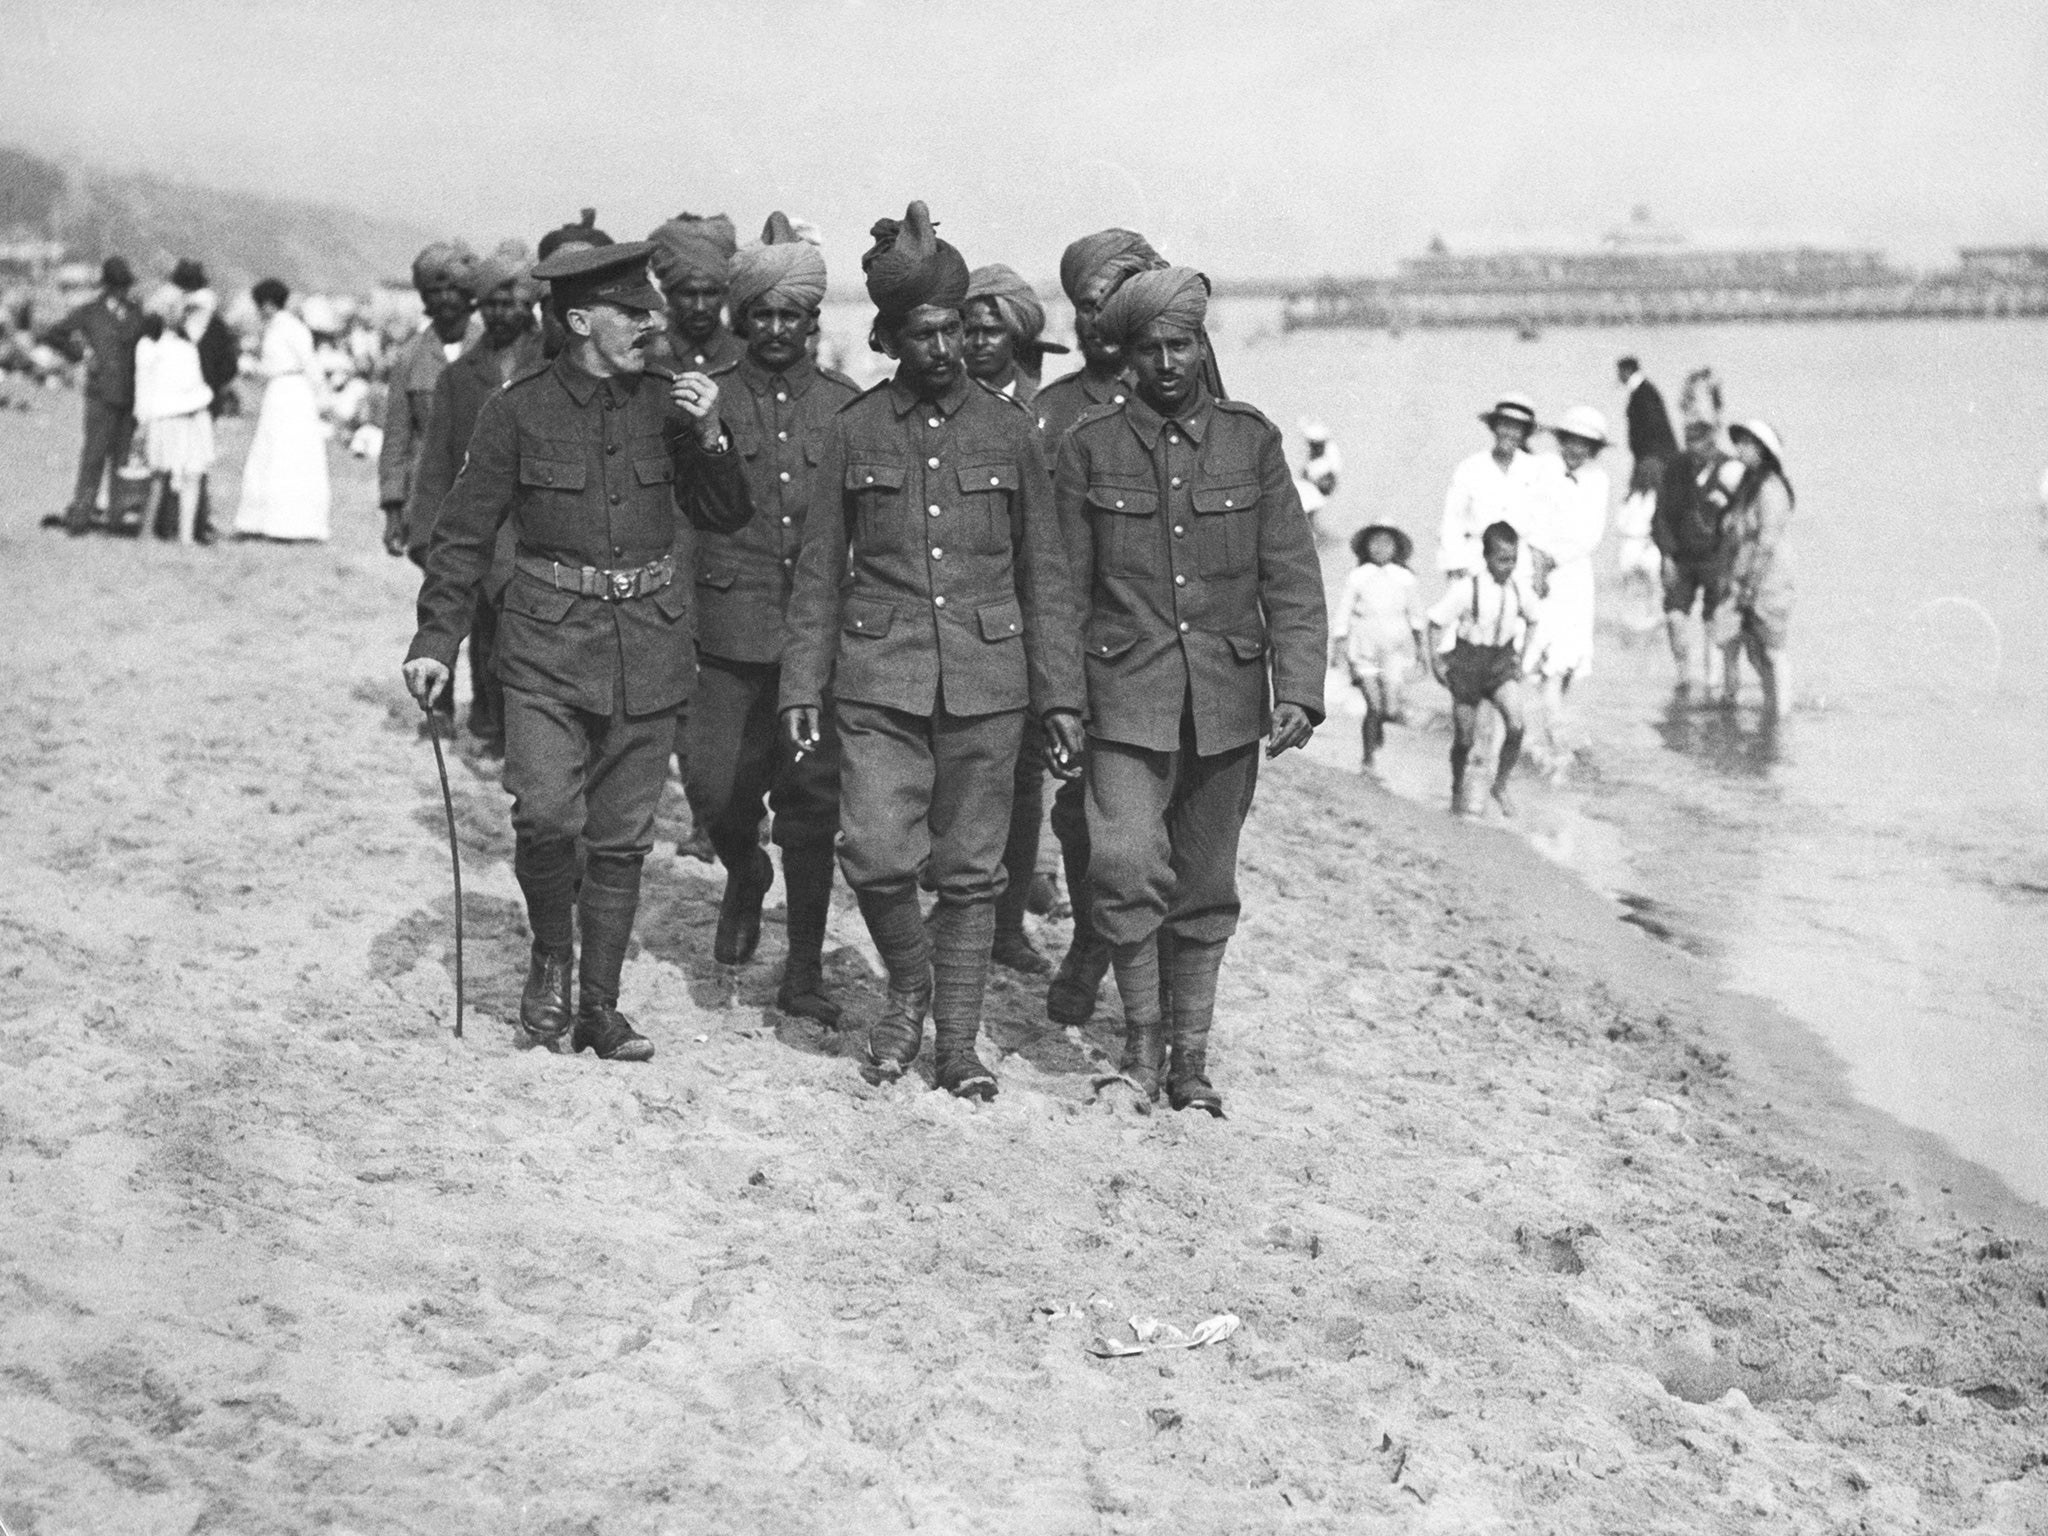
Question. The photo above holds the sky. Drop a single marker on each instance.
(1252, 139)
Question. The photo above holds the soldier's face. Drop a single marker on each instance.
(987, 347)
(448, 307)
(777, 331)
(1167, 361)
(695, 304)
(927, 348)
(1087, 303)
(618, 338)
(506, 317)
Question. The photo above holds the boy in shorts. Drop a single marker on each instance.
(1478, 632)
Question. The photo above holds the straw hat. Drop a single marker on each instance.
(1404, 547)
(1583, 422)
(1762, 433)
(1516, 408)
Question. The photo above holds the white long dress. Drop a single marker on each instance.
(1568, 528)
(285, 493)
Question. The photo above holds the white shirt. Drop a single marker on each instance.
(1482, 493)
(1572, 511)
(167, 378)
(1481, 611)
(1381, 609)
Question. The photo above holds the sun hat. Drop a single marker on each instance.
(1404, 547)
(1761, 431)
(1518, 408)
(1313, 430)
(1582, 421)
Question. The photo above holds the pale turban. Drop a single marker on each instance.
(1015, 303)
(690, 246)
(1178, 295)
(910, 265)
(1124, 250)
(444, 264)
(784, 265)
(509, 263)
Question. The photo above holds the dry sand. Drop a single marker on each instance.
(1529, 1227)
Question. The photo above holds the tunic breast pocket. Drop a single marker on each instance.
(551, 474)
(1226, 528)
(985, 491)
(1126, 524)
(879, 520)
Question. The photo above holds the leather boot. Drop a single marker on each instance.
(1137, 984)
(609, 898)
(1193, 983)
(897, 928)
(547, 879)
(747, 879)
(807, 896)
(1070, 1000)
(963, 934)
(544, 1003)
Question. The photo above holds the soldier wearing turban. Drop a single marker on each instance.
(784, 268)
(445, 275)
(1206, 626)
(1004, 321)
(693, 263)
(932, 593)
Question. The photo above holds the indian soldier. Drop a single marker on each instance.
(1204, 630)
(596, 467)
(109, 324)
(510, 344)
(933, 581)
(443, 275)
(692, 260)
(1090, 270)
(776, 405)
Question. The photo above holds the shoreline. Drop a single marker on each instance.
(1517, 1240)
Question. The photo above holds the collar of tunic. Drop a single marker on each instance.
(904, 399)
(1148, 423)
(795, 380)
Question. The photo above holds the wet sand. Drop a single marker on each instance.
(1529, 1225)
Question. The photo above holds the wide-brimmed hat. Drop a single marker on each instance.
(1517, 408)
(1313, 430)
(1404, 546)
(1766, 436)
(1582, 422)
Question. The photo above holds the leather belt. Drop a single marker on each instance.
(606, 586)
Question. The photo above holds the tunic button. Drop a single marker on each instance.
(1228, 502)
(782, 437)
(1180, 581)
(785, 522)
(933, 422)
(1179, 531)
(782, 394)
(995, 479)
(611, 447)
(931, 463)
(933, 509)
(1183, 626)
(938, 553)
(1119, 400)
(1119, 503)
(615, 498)
(783, 477)
(871, 479)
(1171, 438)
(1176, 479)
(939, 601)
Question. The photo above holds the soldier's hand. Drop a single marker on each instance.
(394, 528)
(1064, 741)
(696, 396)
(800, 725)
(425, 679)
(1291, 728)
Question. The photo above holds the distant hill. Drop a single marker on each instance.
(240, 236)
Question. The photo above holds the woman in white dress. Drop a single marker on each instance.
(1566, 532)
(284, 484)
(173, 402)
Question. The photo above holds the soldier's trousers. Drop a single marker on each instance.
(486, 693)
(736, 756)
(575, 775)
(109, 429)
(922, 794)
(1163, 830)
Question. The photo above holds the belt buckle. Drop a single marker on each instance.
(623, 584)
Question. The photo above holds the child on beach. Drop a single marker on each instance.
(1379, 628)
(1478, 632)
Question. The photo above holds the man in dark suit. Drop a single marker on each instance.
(1651, 443)
(109, 326)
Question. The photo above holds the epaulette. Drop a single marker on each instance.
(722, 369)
(879, 384)
(530, 371)
(1100, 412)
(1010, 400)
(837, 378)
(1244, 408)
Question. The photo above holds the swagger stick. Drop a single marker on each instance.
(454, 857)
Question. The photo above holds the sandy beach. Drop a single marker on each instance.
(1529, 1226)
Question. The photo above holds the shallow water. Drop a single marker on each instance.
(1879, 866)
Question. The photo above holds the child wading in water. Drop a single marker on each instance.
(1478, 631)
(1379, 628)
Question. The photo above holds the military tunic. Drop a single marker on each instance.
(932, 595)
(737, 752)
(1064, 401)
(416, 367)
(1204, 605)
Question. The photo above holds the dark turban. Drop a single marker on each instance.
(444, 264)
(1125, 250)
(910, 265)
(689, 246)
(509, 263)
(583, 232)
(1179, 295)
(783, 265)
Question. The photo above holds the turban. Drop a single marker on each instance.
(1178, 295)
(1124, 249)
(688, 246)
(444, 264)
(509, 263)
(583, 232)
(1015, 303)
(910, 265)
(784, 265)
